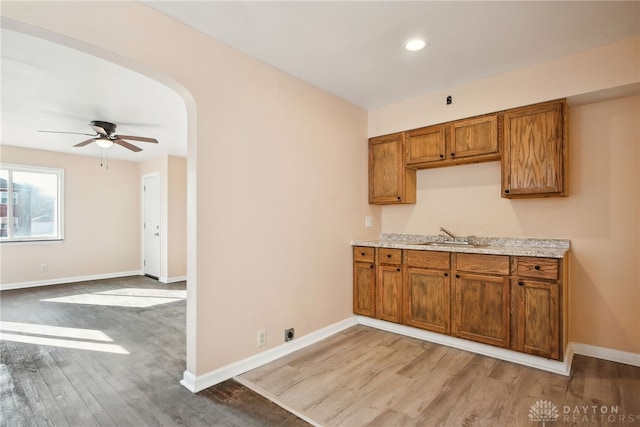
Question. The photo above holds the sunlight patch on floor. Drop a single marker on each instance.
(77, 338)
(127, 297)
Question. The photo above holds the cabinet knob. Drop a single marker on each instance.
(362, 253)
(446, 274)
(371, 266)
(537, 267)
(457, 276)
(399, 198)
(442, 156)
(388, 255)
(398, 269)
(520, 283)
(506, 191)
(453, 154)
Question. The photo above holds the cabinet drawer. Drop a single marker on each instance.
(478, 263)
(363, 254)
(389, 256)
(542, 268)
(427, 259)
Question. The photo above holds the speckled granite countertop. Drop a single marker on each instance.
(548, 248)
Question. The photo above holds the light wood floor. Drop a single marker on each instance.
(367, 377)
(47, 382)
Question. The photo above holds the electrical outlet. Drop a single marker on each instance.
(44, 268)
(368, 221)
(262, 337)
(288, 334)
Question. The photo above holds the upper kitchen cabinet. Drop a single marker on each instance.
(426, 145)
(390, 182)
(475, 139)
(534, 157)
(463, 141)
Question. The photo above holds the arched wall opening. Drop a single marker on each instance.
(190, 106)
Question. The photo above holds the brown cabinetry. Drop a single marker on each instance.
(390, 182)
(537, 295)
(427, 285)
(515, 302)
(481, 304)
(389, 285)
(364, 281)
(463, 141)
(534, 157)
(426, 145)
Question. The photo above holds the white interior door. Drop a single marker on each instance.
(151, 225)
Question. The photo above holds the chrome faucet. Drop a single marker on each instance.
(447, 232)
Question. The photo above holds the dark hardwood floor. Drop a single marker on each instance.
(110, 353)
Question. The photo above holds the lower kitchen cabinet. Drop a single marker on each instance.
(482, 309)
(427, 299)
(536, 318)
(364, 281)
(513, 302)
(389, 293)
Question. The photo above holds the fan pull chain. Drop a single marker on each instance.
(107, 157)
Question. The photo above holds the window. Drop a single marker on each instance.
(30, 203)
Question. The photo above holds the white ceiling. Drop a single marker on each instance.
(351, 49)
(47, 86)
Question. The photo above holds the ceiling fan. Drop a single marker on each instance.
(105, 136)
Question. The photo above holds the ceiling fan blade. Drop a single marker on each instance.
(99, 130)
(137, 138)
(73, 133)
(125, 144)
(83, 143)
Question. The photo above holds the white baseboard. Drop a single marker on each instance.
(200, 382)
(562, 368)
(605, 353)
(172, 279)
(36, 283)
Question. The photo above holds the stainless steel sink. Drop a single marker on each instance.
(452, 243)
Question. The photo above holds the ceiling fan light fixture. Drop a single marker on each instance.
(415, 44)
(103, 142)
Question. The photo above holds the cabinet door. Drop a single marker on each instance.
(389, 181)
(426, 145)
(364, 282)
(427, 300)
(389, 293)
(477, 137)
(534, 155)
(537, 317)
(482, 309)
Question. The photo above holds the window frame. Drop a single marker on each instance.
(60, 202)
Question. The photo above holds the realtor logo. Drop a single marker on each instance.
(544, 411)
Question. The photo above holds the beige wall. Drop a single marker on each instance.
(176, 217)
(601, 214)
(277, 174)
(99, 202)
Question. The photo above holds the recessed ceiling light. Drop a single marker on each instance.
(415, 44)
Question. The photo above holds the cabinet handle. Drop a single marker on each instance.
(453, 154)
(442, 156)
(520, 283)
(506, 191)
(537, 267)
(446, 274)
